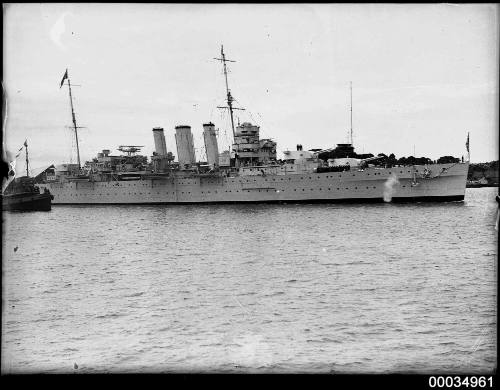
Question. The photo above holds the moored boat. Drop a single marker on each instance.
(21, 194)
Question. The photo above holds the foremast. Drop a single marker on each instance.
(75, 127)
(27, 158)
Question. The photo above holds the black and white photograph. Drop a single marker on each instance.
(251, 189)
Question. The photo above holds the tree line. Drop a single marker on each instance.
(388, 160)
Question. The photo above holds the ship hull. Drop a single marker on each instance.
(399, 184)
(27, 202)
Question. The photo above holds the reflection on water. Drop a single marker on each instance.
(252, 288)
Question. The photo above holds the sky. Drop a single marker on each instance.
(423, 76)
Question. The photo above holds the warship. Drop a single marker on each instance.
(248, 172)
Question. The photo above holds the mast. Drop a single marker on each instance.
(351, 115)
(75, 127)
(230, 98)
(27, 160)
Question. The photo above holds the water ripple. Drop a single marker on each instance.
(252, 288)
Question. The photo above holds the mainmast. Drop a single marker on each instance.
(228, 91)
(75, 127)
(351, 115)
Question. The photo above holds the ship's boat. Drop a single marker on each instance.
(249, 172)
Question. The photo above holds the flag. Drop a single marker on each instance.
(64, 78)
(26, 143)
(467, 143)
(19, 152)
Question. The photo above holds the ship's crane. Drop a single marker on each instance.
(130, 149)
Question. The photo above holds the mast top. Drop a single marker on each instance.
(224, 59)
(229, 97)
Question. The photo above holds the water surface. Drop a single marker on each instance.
(252, 288)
